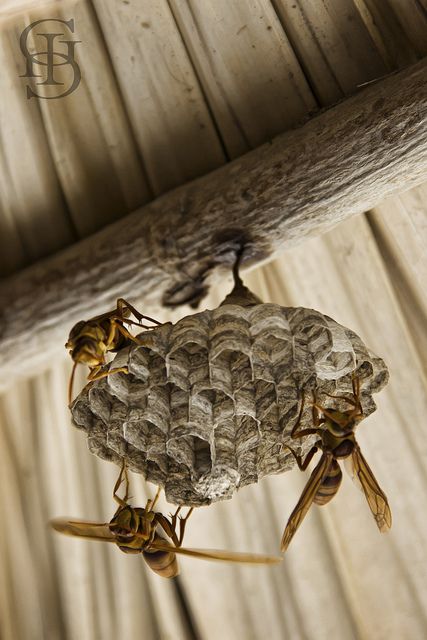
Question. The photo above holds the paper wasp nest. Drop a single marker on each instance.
(209, 402)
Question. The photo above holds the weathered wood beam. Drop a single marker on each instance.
(341, 162)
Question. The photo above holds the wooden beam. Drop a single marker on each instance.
(341, 162)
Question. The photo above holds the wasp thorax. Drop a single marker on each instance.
(89, 352)
(339, 423)
(85, 331)
(341, 445)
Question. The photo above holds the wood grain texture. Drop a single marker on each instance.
(332, 44)
(89, 135)
(399, 226)
(394, 42)
(340, 163)
(69, 166)
(170, 118)
(250, 75)
(34, 218)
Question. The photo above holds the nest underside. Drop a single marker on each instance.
(209, 403)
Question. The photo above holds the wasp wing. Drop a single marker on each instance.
(376, 498)
(306, 499)
(215, 554)
(351, 472)
(84, 529)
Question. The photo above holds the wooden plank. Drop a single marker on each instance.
(393, 41)
(412, 15)
(171, 121)
(248, 70)
(33, 216)
(88, 132)
(333, 45)
(400, 229)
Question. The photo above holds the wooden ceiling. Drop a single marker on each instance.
(171, 90)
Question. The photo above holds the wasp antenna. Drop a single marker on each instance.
(70, 384)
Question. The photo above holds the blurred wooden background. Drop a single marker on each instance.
(170, 90)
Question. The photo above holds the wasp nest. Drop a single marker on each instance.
(209, 402)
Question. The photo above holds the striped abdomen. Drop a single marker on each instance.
(329, 485)
(163, 563)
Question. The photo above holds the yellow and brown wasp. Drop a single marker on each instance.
(139, 530)
(336, 441)
(90, 340)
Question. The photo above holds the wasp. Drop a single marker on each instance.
(143, 530)
(336, 441)
(90, 340)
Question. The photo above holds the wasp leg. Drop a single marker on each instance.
(136, 324)
(306, 432)
(348, 417)
(355, 383)
(352, 401)
(123, 475)
(303, 465)
(182, 525)
(122, 329)
(124, 304)
(355, 400)
(298, 422)
(116, 325)
(345, 421)
(125, 332)
(174, 517)
(169, 527)
(96, 374)
(317, 420)
(294, 433)
(355, 413)
(151, 503)
(71, 383)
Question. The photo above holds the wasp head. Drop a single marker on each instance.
(86, 344)
(127, 523)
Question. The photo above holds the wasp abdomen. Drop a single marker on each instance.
(329, 485)
(344, 449)
(162, 562)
